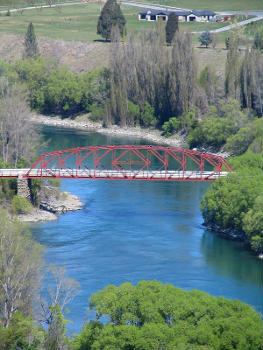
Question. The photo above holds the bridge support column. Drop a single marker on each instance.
(23, 188)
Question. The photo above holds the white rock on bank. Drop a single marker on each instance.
(66, 202)
(37, 215)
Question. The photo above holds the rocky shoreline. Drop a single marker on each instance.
(83, 123)
(50, 208)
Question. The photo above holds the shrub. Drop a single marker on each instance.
(173, 124)
(20, 205)
(97, 112)
(54, 182)
(147, 116)
(205, 38)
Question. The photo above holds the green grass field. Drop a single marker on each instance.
(215, 5)
(78, 22)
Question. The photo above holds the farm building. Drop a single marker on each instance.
(183, 16)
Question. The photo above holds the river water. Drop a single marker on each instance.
(132, 231)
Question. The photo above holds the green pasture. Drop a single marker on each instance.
(78, 22)
(215, 5)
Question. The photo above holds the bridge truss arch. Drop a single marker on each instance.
(128, 162)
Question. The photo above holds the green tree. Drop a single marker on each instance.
(20, 205)
(152, 315)
(251, 81)
(55, 338)
(233, 203)
(111, 16)
(209, 81)
(30, 43)
(232, 75)
(239, 143)
(258, 39)
(20, 263)
(21, 334)
(171, 27)
(253, 224)
(58, 295)
(172, 125)
(205, 39)
(218, 124)
(133, 113)
(147, 116)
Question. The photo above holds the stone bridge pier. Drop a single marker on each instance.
(23, 188)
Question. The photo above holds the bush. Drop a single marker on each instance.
(205, 38)
(217, 125)
(147, 116)
(239, 143)
(133, 113)
(56, 90)
(55, 182)
(173, 124)
(97, 112)
(20, 205)
(211, 132)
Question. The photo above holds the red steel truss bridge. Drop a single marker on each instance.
(125, 163)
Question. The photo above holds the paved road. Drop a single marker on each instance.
(231, 26)
(40, 7)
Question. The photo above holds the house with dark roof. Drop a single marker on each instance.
(183, 16)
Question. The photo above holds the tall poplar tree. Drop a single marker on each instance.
(31, 46)
(171, 27)
(110, 17)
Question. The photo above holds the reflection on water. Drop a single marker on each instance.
(231, 259)
(134, 230)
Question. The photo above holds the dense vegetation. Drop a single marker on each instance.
(56, 90)
(26, 305)
(156, 316)
(235, 203)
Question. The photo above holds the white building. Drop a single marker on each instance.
(183, 16)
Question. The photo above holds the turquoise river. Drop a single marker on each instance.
(132, 231)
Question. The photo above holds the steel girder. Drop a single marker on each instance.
(129, 163)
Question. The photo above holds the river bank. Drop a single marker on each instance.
(83, 123)
(51, 207)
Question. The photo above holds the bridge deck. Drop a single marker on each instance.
(169, 175)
